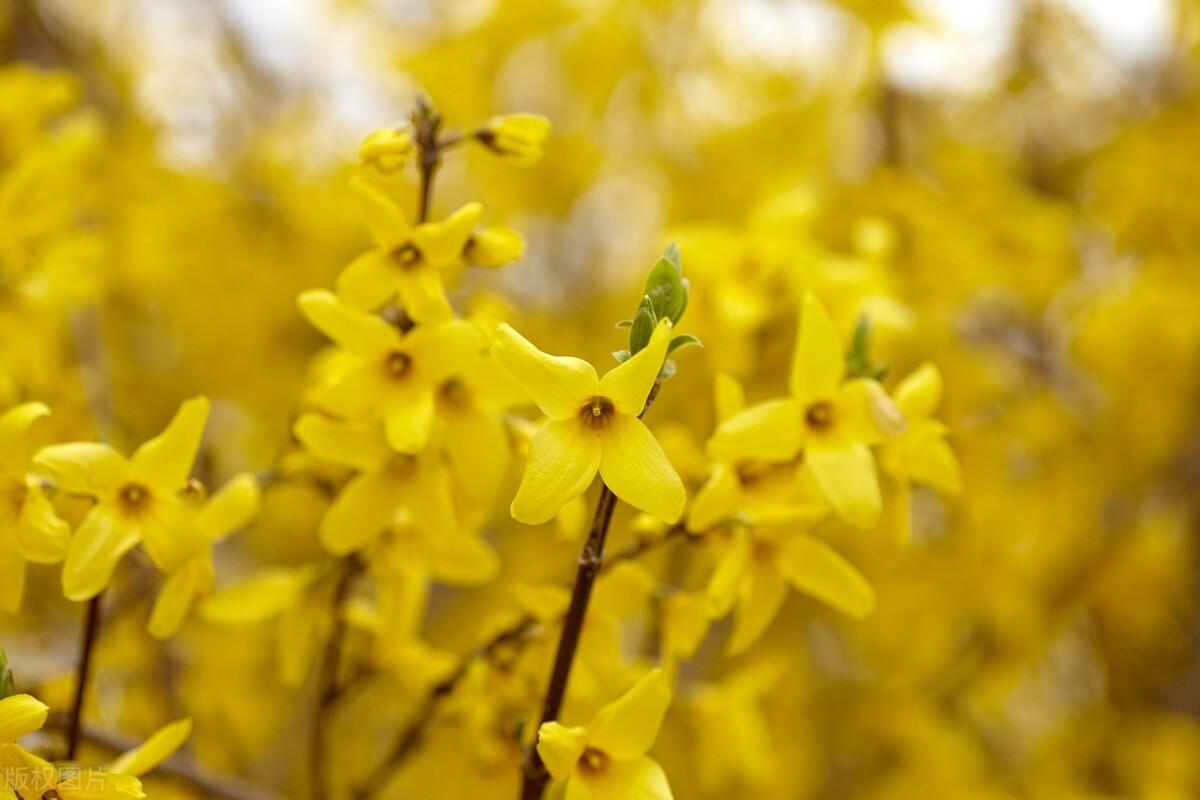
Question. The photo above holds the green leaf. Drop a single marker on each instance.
(858, 357)
(672, 254)
(664, 287)
(681, 341)
(6, 679)
(643, 326)
(622, 355)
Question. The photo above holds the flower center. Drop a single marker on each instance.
(593, 761)
(133, 497)
(597, 413)
(406, 256)
(397, 364)
(453, 393)
(819, 416)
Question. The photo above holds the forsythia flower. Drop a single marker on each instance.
(920, 453)
(516, 137)
(831, 421)
(593, 426)
(386, 372)
(29, 528)
(606, 760)
(407, 261)
(493, 246)
(137, 501)
(386, 150)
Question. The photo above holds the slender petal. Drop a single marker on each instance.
(41, 536)
(408, 416)
(443, 349)
(729, 396)
(817, 569)
(155, 750)
(933, 463)
(260, 598)
(560, 748)
(231, 508)
(477, 446)
(559, 385)
(770, 431)
(171, 533)
(385, 220)
(818, 362)
(639, 779)
(83, 467)
(725, 585)
(635, 467)
(356, 444)
(563, 460)
(423, 292)
(355, 330)
(717, 500)
(626, 728)
(165, 462)
(361, 512)
(846, 475)
(864, 413)
(368, 281)
(762, 596)
(14, 439)
(628, 383)
(920, 393)
(440, 242)
(20, 715)
(101, 541)
(174, 600)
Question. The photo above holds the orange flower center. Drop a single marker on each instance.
(406, 256)
(819, 417)
(597, 413)
(133, 497)
(593, 761)
(397, 364)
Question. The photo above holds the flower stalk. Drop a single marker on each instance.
(83, 671)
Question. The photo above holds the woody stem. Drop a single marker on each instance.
(327, 677)
(83, 671)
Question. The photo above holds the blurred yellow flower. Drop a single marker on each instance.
(386, 150)
(516, 137)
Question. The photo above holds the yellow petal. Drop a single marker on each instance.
(93, 784)
(623, 590)
(355, 330)
(729, 396)
(260, 598)
(864, 413)
(846, 475)
(494, 246)
(21, 715)
(423, 292)
(461, 559)
(171, 533)
(560, 748)
(628, 383)
(356, 444)
(174, 601)
(817, 569)
(725, 585)
(369, 281)
(560, 385)
(761, 598)
(384, 218)
(165, 462)
(356, 389)
(818, 362)
(477, 447)
(920, 393)
(442, 242)
(626, 728)
(638, 779)
(770, 431)
(82, 467)
(363, 510)
(635, 467)
(231, 508)
(99, 544)
(161, 745)
(41, 536)
(934, 464)
(719, 499)
(408, 416)
(542, 602)
(572, 520)
(685, 622)
(25, 773)
(563, 460)
(443, 349)
(14, 435)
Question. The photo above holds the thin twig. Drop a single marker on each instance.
(327, 676)
(426, 122)
(83, 673)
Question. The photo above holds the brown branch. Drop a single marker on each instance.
(83, 675)
(426, 122)
(327, 676)
(178, 765)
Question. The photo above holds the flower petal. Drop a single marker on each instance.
(818, 362)
(846, 475)
(477, 447)
(82, 467)
(41, 536)
(155, 750)
(933, 463)
(718, 499)
(14, 435)
(363, 510)
(920, 393)
(174, 601)
(815, 568)
(96, 548)
(171, 533)
(384, 218)
(260, 598)
(627, 727)
(369, 281)
(725, 584)
(443, 349)
(560, 748)
(762, 596)
(26, 773)
(442, 242)
(639, 779)
(231, 508)
(423, 292)
(770, 431)
(729, 396)
(635, 467)
(408, 416)
(356, 444)
(563, 460)
(560, 385)
(356, 331)
(629, 383)
(865, 413)
(20, 715)
(165, 462)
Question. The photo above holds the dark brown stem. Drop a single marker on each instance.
(327, 676)
(83, 674)
(426, 122)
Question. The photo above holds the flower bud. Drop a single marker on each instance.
(516, 137)
(385, 150)
(493, 246)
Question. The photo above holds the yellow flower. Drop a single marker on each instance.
(29, 528)
(20, 715)
(606, 760)
(593, 426)
(137, 501)
(390, 487)
(155, 750)
(755, 575)
(831, 421)
(516, 137)
(407, 262)
(225, 512)
(385, 372)
(385, 151)
(493, 246)
(920, 453)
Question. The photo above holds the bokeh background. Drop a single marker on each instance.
(1007, 188)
